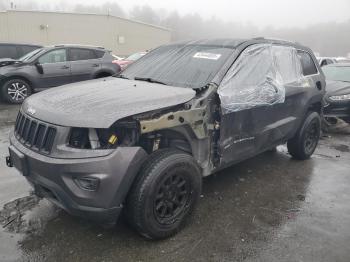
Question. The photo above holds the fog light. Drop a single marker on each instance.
(88, 183)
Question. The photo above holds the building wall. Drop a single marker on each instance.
(122, 36)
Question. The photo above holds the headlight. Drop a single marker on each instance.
(340, 98)
(90, 138)
(124, 133)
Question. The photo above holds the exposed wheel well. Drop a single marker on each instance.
(165, 139)
(102, 74)
(315, 107)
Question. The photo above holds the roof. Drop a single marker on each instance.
(233, 42)
(77, 45)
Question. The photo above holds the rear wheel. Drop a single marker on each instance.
(15, 91)
(102, 75)
(164, 194)
(304, 143)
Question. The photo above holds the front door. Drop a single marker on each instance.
(258, 101)
(56, 70)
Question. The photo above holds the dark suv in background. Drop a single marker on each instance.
(53, 66)
(15, 51)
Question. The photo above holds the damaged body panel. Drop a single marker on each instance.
(181, 112)
(112, 98)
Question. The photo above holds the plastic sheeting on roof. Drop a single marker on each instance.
(259, 76)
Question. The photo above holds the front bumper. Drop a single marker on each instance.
(340, 109)
(55, 179)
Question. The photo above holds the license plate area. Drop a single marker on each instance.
(19, 161)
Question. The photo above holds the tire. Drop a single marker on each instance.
(304, 143)
(165, 192)
(14, 91)
(102, 75)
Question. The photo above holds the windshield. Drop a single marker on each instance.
(338, 73)
(192, 66)
(30, 55)
(136, 56)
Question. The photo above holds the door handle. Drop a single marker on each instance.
(95, 65)
(319, 85)
(65, 67)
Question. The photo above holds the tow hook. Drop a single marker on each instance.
(9, 161)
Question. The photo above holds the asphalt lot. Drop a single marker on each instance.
(269, 208)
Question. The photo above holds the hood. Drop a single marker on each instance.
(337, 88)
(99, 103)
(7, 61)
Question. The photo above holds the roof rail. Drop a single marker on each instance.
(274, 38)
(78, 45)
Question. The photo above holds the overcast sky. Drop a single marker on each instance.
(276, 13)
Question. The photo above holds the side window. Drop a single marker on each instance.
(287, 64)
(259, 77)
(251, 81)
(324, 62)
(54, 56)
(99, 53)
(8, 51)
(77, 54)
(307, 64)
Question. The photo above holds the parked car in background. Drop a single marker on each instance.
(343, 60)
(142, 141)
(338, 92)
(53, 66)
(15, 51)
(129, 60)
(323, 61)
(117, 57)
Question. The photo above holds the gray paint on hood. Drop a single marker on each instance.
(99, 103)
(7, 61)
(337, 88)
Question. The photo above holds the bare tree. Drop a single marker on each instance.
(145, 14)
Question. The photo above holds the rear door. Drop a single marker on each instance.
(84, 63)
(56, 69)
(314, 82)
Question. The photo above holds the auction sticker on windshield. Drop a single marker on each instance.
(210, 56)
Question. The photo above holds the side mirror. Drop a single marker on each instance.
(39, 67)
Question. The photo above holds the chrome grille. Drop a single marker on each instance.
(34, 134)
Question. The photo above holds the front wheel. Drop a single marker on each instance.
(304, 143)
(15, 91)
(164, 194)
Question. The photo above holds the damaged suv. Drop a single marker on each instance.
(142, 141)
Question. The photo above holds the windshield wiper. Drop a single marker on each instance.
(148, 79)
(121, 76)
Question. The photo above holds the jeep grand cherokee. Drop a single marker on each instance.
(142, 141)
